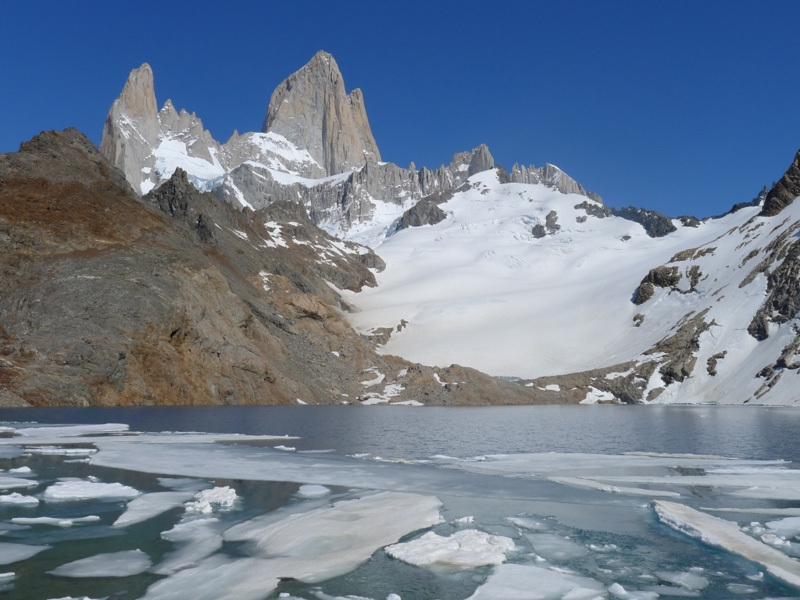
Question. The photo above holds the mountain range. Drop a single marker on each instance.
(293, 265)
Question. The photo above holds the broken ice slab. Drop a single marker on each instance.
(727, 535)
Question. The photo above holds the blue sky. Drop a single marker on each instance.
(683, 107)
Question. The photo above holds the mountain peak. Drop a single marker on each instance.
(313, 110)
(138, 97)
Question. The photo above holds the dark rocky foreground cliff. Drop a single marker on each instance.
(111, 299)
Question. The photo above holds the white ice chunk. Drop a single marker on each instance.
(553, 547)
(788, 527)
(112, 564)
(148, 506)
(217, 498)
(21, 470)
(11, 553)
(726, 534)
(54, 521)
(10, 483)
(313, 491)
(79, 489)
(466, 549)
(19, 499)
(529, 582)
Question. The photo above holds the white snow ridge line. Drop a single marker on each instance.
(726, 535)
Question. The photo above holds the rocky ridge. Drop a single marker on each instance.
(316, 147)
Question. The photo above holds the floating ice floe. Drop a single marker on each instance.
(112, 564)
(11, 553)
(151, 505)
(309, 547)
(68, 489)
(529, 582)
(207, 501)
(614, 489)
(195, 540)
(60, 451)
(313, 491)
(63, 431)
(10, 483)
(19, 499)
(727, 535)
(53, 521)
(465, 549)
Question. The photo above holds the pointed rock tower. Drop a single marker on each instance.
(313, 111)
(135, 109)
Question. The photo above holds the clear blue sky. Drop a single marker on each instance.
(680, 106)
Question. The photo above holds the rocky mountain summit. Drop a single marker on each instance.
(107, 298)
(316, 147)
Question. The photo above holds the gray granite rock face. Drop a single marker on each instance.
(312, 109)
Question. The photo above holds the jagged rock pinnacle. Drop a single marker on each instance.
(136, 104)
(312, 110)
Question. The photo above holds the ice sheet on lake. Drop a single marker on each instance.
(220, 578)
(66, 431)
(465, 549)
(195, 540)
(151, 505)
(11, 553)
(112, 564)
(614, 489)
(529, 582)
(68, 489)
(310, 547)
(726, 534)
(332, 540)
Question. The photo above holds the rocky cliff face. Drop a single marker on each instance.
(175, 298)
(316, 148)
(144, 142)
(313, 110)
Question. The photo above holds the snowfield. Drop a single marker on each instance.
(481, 290)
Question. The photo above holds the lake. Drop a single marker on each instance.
(310, 502)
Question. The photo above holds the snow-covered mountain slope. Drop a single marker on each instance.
(521, 280)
